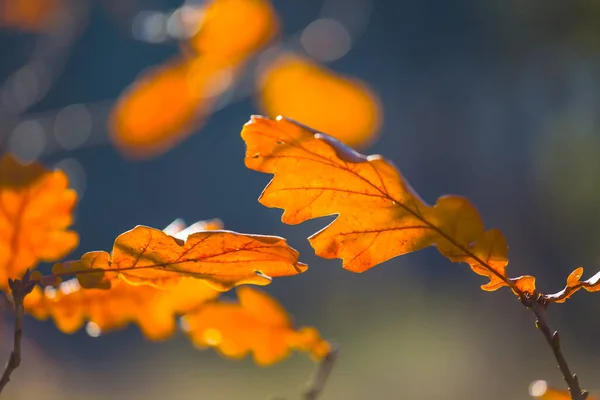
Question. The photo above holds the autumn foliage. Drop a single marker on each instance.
(257, 324)
(182, 276)
(379, 216)
(36, 208)
(182, 93)
(150, 277)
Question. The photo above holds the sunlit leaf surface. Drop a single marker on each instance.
(222, 259)
(379, 216)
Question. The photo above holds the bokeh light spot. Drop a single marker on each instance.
(538, 388)
(73, 126)
(27, 141)
(326, 39)
(150, 26)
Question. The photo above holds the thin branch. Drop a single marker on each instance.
(317, 383)
(15, 355)
(538, 307)
(20, 289)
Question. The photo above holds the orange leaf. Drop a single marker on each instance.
(223, 259)
(36, 207)
(233, 29)
(154, 310)
(379, 216)
(29, 15)
(166, 104)
(574, 283)
(344, 107)
(256, 324)
(540, 390)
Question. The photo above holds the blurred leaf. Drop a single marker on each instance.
(540, 390)
(257, 324)
(29, 15)
(344, 107)
(233, 29)
(222, 259)
(574, 283)
(36, 207)
(166, 104)
(154, 310)
(379, 216)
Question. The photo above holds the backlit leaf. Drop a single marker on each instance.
(36, 208)
(29, 15)
(344, 107)
(153, 310)
(223, 259)
(166, 104)
(379, 216)
(233, 29)
(574, 283)
(256, 324)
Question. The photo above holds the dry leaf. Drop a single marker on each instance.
(36, 208)
(223, 259)
(232, 30)
(574, 283)
(344, 107)
(257, 324)
(29, 15)
(166, 104)
(379, 216)
(153, 310)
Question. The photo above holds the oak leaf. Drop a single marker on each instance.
(36, 209)
(222, 259)
(342, 106)
(541, 390)
(233, 29)
(153, 310)
(256, 324)
(165, 104)
(574, 283)
(379, 216)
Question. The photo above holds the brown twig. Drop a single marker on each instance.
(315, 386)
(538, 307)
(20, 289)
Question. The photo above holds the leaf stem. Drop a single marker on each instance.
(15, 355)
(538, 307)
(316, 384)
(19, 288)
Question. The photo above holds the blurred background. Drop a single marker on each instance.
(496, 100)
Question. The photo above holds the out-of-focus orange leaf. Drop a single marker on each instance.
(233, 29)
(29, 15)
(223, 259)
(153, 310)
(379, 216)
(343, 107)
(540, 390)
(574, 283)
(36, 207)
(166, 104)
(257, 324)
